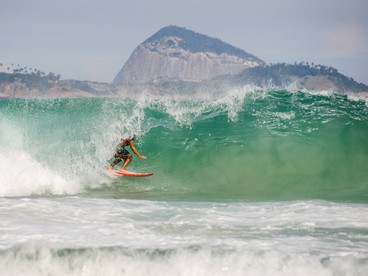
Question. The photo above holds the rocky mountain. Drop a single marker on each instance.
(175, 53)
(312, 77)
(180, 62)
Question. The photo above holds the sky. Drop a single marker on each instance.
(92, 39)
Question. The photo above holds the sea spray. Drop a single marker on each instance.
(247, 145)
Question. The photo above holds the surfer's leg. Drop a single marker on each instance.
(127, 159)
(116, 161)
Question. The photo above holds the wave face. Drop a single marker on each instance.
(263, 145)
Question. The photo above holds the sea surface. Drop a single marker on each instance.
(253, 182)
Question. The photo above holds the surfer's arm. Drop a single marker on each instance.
(134, 149)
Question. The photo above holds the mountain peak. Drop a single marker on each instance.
(196, 42)
(176, 53)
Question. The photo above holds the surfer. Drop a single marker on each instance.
(122, 154)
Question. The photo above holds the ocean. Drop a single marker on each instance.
(255, 182)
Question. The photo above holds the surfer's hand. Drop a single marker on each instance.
(143, 157)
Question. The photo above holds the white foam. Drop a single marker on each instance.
(359, 97)
(285, 115)
(119, 261)
(89, 236)
(21, 175)
(233, 102)
(185, 112)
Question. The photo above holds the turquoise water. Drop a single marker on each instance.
(274, 145)
(250, 183)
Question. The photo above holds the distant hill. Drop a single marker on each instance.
(35, 85)
(279, 76)
(276, 76)
(302, 75)
(182, 62)
(175, 53)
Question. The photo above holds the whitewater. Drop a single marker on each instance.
(253, 182)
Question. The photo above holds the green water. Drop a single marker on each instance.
(275, 145)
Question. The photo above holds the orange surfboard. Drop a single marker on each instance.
(127, 173)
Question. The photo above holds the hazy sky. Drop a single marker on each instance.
(92, 39)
